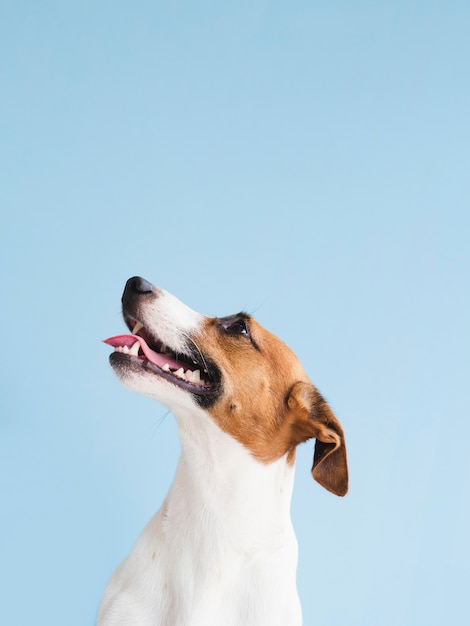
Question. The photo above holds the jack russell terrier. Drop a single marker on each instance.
(221, 551)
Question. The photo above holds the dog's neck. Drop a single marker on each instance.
(243, 499)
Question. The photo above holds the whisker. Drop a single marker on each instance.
(158, 423)
(199, 351)
(256, 309)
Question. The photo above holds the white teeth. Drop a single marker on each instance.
(126, 350)
(194, 377)
(138, 326)
(135, 349)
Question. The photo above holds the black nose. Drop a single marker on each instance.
(136, 287)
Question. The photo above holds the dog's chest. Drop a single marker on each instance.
(214, 555)
(206, 582)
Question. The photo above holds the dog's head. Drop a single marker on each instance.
(249, 382)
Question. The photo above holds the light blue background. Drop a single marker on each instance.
(307, 161)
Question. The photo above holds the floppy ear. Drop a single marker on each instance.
(315, 419)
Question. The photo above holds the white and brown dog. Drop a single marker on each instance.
(221, 551)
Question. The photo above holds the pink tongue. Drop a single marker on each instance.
(151, 355)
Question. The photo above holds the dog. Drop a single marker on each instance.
(221, 551)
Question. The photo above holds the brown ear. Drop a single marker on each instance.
(314, 418)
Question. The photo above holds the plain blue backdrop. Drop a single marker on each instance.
(307, 161)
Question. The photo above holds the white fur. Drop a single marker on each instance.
(221, 551)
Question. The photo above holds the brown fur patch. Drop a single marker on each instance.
(268, 403)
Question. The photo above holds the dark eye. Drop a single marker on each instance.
(235, 326)
(238, 328)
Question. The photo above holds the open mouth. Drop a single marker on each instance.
(192, 371)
